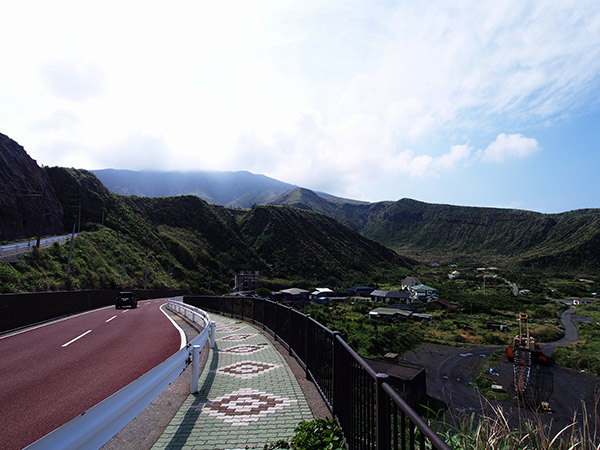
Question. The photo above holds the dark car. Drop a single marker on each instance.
(125, 298)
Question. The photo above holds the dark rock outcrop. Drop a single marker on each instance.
(28, 204)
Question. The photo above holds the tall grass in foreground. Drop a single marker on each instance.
(492, 431)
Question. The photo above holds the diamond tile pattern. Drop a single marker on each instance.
(248, 396)
(247, 369)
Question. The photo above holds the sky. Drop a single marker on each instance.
(474, 103)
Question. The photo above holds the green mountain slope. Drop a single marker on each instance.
(430, 231)
(310, 244)
(186, 242)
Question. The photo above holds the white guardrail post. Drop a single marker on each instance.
(195, 369)
(96, 426)
(212, 335)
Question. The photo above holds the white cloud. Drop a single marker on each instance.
(315, 93)
(72, 80)
(509, 147)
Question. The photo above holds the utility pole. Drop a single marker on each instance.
(123, 268)
(146, 275)
(71, 250)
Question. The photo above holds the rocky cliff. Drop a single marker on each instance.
(28, 204)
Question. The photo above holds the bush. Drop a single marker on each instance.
(318, 434)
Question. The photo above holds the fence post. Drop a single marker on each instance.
(337, 375)
(306, 348)
(212, 335)
(289, 333)
(195, 369)
(382, 413)
(276, 330)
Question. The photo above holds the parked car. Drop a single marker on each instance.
(125, 298)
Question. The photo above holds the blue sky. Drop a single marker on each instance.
(467, 103)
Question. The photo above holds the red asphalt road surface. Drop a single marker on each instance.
(44, 384)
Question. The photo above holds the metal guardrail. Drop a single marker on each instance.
(369, 411)
(24, 247)
(96, 426)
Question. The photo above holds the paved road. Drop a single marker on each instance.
(569, 322)
(51, 374)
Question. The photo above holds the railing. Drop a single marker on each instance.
(23, 247)
(370, 412)
(96, 426)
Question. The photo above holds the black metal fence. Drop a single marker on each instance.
(21, 310)
(371, 414)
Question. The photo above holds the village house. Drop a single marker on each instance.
(409, 282)
(422, 292)
(385, 296)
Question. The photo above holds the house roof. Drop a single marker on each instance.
(397, 294)
(410, 281)
(389, 312)
(446, 303)
(294, 291)
(321, 290)
(378, 293)
(423, 287)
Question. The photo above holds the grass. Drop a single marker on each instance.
(493, 431)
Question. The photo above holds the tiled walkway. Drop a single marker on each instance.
(248, 396)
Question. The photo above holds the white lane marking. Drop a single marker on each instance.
(125, 311)
(78, 337)
(110, 319)
(181, 332)
(53, 322)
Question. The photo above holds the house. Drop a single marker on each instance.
(454, 274)
(321, 292)
(247, 281)
(384, 296)
(390, 313)
(293, 296)
(409, 282)
(444, 303)
(378, 296)
(422, 291)
(360, 291)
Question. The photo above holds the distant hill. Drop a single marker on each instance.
(232, 189)
(569, 240)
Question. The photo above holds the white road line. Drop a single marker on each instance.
(78, 337)
(110, 319)
(125, 311)
(182, 337)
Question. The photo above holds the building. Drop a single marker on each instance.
(385, 296)
(360, 291)
(293, 296)
(409, 282)
(423, 292)
(247, 281)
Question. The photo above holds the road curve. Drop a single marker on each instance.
(53, 373)
(569, 322)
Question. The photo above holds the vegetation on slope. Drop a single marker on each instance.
(185, 242)
(567, 241)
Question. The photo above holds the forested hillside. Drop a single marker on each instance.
(566, 241)
(186, 242)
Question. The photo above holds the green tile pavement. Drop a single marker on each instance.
(248, 396)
